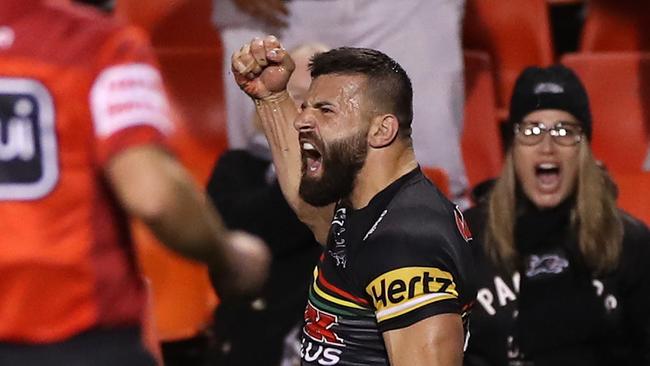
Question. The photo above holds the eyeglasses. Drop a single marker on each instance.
(563, 133)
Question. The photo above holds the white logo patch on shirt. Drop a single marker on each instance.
(548, 263)
(129, 95)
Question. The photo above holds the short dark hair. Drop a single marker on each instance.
(388, 85)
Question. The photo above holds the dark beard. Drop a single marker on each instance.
(342, 160)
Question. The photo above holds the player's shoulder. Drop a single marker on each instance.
(420, 217)
(634, 227)
(80, 31)
(420, 208)
(636, 239)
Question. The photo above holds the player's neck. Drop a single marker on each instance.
(382, 167)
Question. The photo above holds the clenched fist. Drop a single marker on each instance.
(262, 67)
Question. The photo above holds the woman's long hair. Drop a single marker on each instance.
(594, 217)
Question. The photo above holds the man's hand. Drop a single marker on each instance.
(245, 268)
(262, 67)
(269, 11)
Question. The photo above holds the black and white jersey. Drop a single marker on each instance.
(553, 311)
(403, 258)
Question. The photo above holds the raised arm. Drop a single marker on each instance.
(262, 69)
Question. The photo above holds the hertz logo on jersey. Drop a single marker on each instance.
(401, 290)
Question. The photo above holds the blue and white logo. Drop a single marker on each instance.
(28, 146)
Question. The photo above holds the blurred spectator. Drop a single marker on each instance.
(246, 191)
(565, 274)
(84, 116)
(435, 64)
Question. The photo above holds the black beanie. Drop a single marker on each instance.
(553, 87)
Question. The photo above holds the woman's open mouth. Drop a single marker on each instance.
(548, 177)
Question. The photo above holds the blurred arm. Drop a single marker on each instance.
(153, 187)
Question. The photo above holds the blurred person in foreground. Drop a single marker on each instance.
(564, 275)
(83, 117)
(245, 190)
(393, 284)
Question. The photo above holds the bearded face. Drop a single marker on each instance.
(329, 170)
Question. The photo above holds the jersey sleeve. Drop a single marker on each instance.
(128, 103)
(416, 270)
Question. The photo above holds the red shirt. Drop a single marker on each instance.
(76, 88)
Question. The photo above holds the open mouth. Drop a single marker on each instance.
(312, 160)
(548, 177)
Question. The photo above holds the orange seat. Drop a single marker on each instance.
(514, 33)
(618, 85)
(634, 194)
(189, 25)
(149, 334)
(438, 177)
(481, 139)
(194, 79)
(616, 25)
(172, 23)
(182, 295)
(145, 13)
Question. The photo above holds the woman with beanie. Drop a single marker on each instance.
(564, 275)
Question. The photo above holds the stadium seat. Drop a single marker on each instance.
(149, 333)
(189, 25)
(145, 13)
(618, 85)
(194, 81)
(616, 25)
(172, 23)
(514, 33)
(481, 142)
(181, 291)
